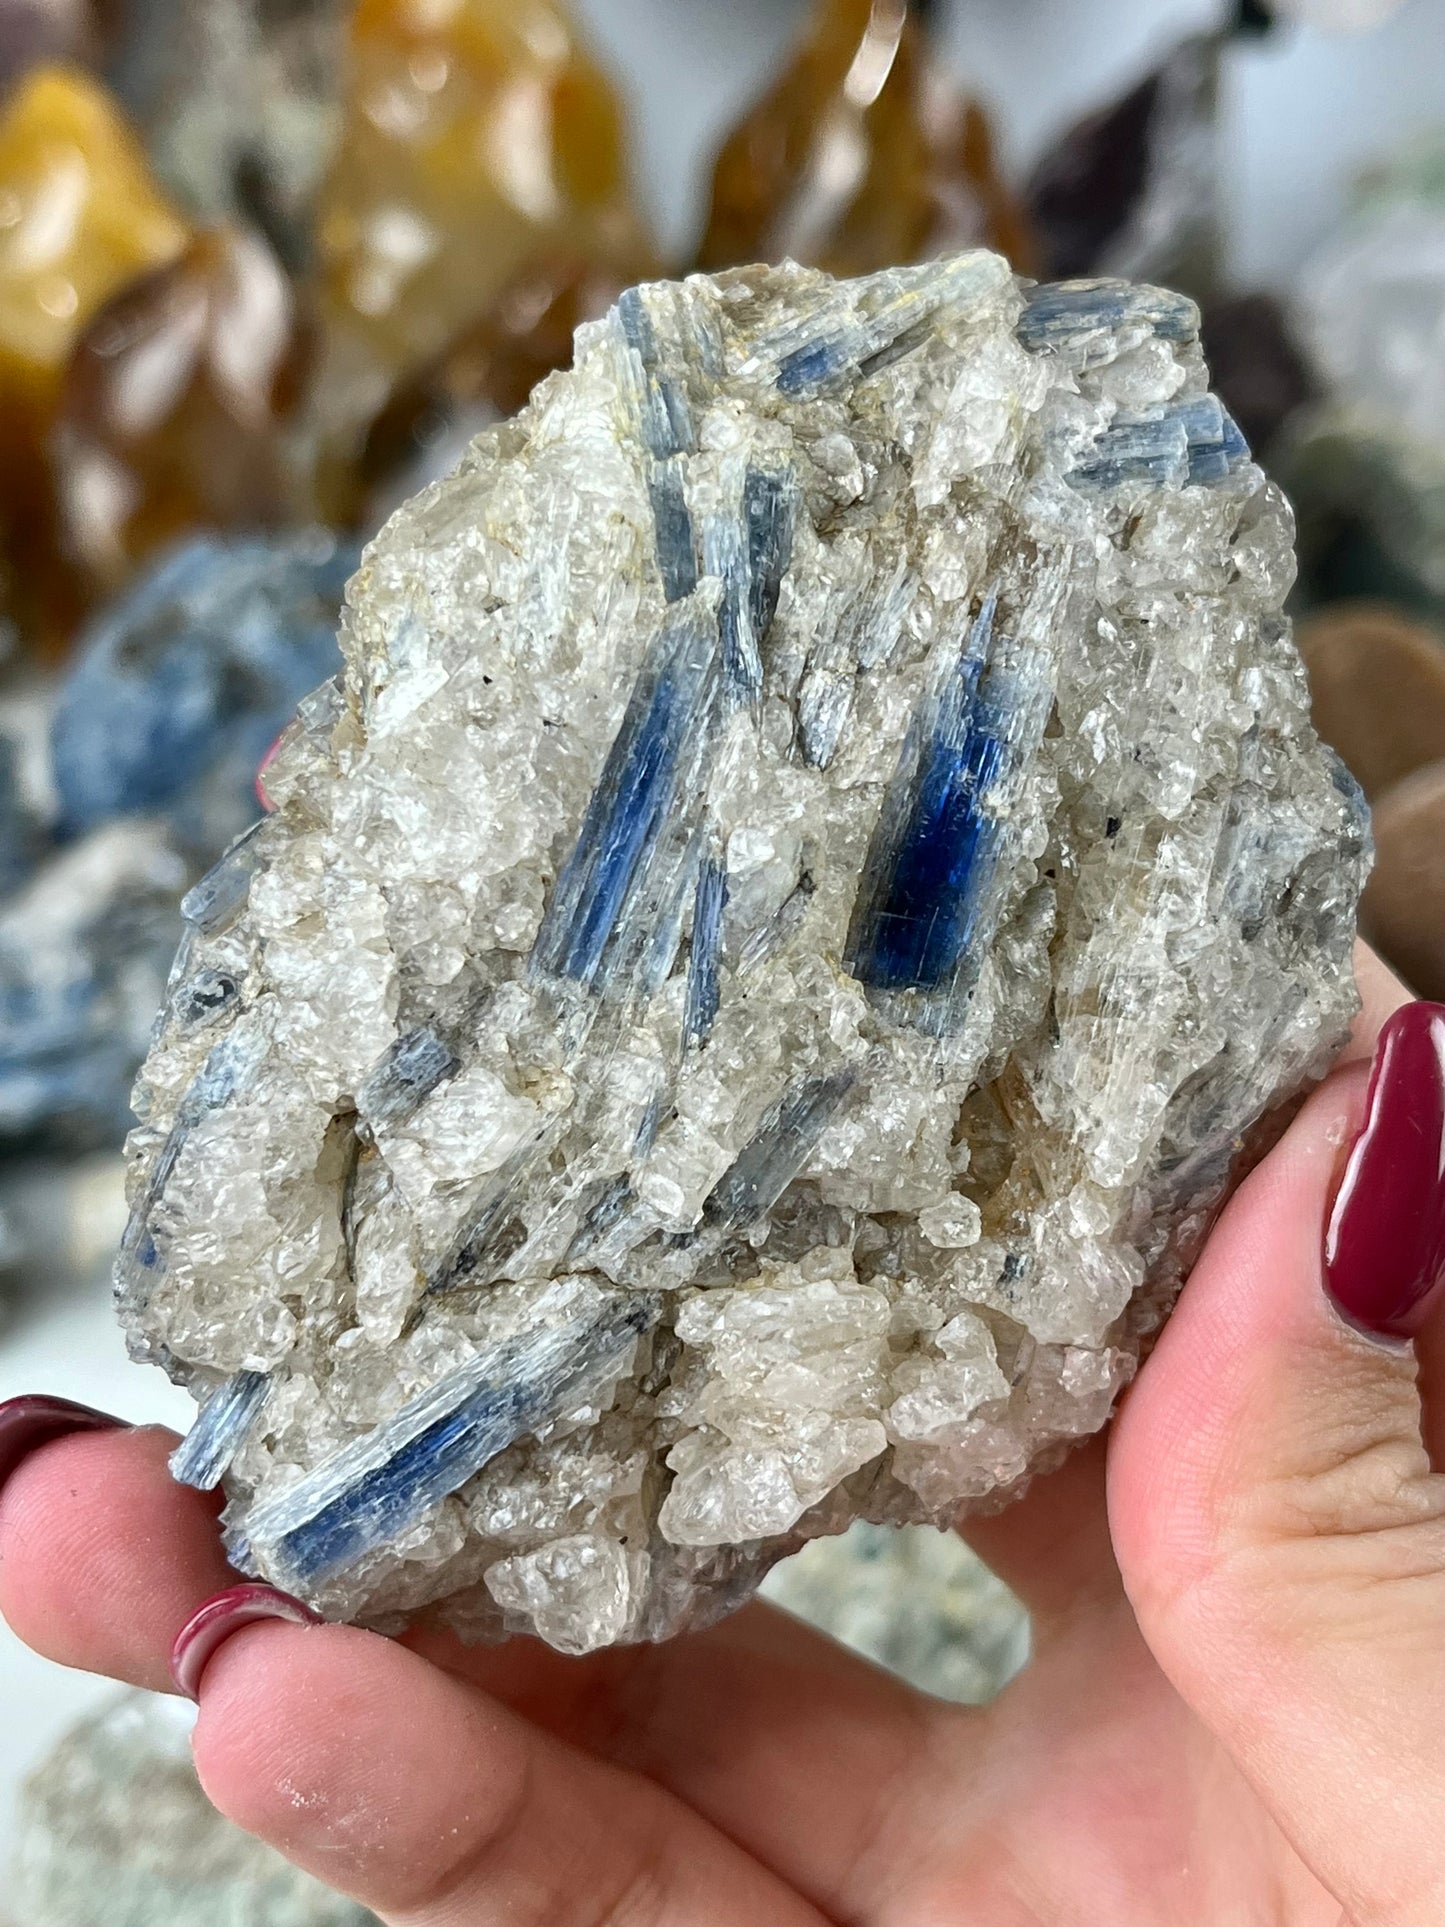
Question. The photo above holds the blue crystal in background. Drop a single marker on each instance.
(183, 684)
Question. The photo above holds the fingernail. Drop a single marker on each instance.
(263, 795)
(207, 1631)
(1385, 1242)
(35, 1420)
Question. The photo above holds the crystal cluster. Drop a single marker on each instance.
(763, 965)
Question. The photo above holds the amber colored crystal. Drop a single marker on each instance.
(860, 156)
(80, 215)
(475, 133)
(175, 407)
(485, 375)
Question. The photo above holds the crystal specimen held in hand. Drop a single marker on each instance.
(114, 1831)
(860, 156)
(1133, 189)
(477, 133)
(760, 972)
(175, 406)
(181, 686)
(82, 217)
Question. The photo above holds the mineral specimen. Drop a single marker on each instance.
(82, 215)
(1133, 189)
(761, 968)
(181, 686)
(861, 155)
(174, 411)
(476, 134)
(114, 1831)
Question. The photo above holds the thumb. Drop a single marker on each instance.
(1279, 1525)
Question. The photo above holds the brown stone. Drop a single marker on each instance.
(860, 156)
(1377, 680)
(1403, 912)
(175, 407)
(476, 136)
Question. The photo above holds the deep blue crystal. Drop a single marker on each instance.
(702, 970)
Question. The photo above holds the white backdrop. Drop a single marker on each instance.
(1303, 111)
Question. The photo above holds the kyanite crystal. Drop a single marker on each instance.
(762, 967)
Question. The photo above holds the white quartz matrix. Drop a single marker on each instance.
(760, 973)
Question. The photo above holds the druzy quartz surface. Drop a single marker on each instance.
(763, 964)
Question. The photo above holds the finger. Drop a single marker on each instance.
(327, 1743)
(1054, 1547)
(786, 1741)
(811, 1759)
(1282, 1535)
(103, 1557)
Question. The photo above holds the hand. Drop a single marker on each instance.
(1233, 1716)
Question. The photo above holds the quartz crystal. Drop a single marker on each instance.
(476, 134)
(762, 967)
(175, 407)
(860, 155)
(114, 1831)
(1133, 189)
(82, 216)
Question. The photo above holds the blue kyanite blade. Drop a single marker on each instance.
(411, 1070)
(633, 800)
(204, 1456)
(812, 365)
(1069, 312)
(775, 1154)
(220, 896)
(933, 849)
(676, 538)
(702, 970)
(921, 927)
(376, 1489)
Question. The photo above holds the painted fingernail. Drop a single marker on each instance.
(35, 1420)
(263, 795)
(207, 1631)
(1385, 1242)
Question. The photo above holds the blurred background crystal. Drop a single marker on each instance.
(266, 265)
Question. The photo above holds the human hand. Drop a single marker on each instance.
(1233, 1715)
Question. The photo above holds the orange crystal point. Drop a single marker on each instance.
(861, 156)
(475, 133)
(175, 406)
(80, 216)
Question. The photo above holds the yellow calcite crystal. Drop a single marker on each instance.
(475, 134)
(860, 156)
(80, 216)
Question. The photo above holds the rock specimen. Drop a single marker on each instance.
(83, 215)
(184, 683)
(114, 1831)
(762, 966)
(1133, 189)
(141, 457)
(475, 135)
(862, 154)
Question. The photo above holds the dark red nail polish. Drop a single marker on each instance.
(1385, 1243)
(35, 1420)
(207, 1631)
